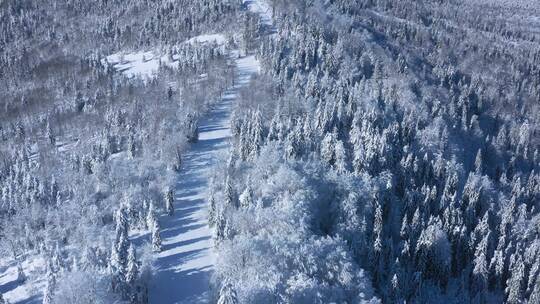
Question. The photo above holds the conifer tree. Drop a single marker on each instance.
(514, 285)
(116, 267)
(340, 153)
(257, 134)
(50, 286)
(21, 276)
(246, 198)
(169, 202)
(132, 271)
(230, 196)
(153, 225)
(227, 295)
(212, 212)
(221, 226)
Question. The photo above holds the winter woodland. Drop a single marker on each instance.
(269, 151)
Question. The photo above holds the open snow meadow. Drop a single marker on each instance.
(269, 151)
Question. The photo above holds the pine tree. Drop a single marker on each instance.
(478, 162)
(212, 208)
(514, 285)
(156, 237)
(246, 198)
(178, 160)
(257, 134)
(21, 276)
(50, 286)
(122, 221)
(533, 298)
(227, 295)
(116, 267)
(221, 226)
(50, 134)
(230, 196)
(57, 260)
(340, 153)
(327, 149)
(132, 271)
(480, 270)
(153, 225)
(275, 126)
(169, 202)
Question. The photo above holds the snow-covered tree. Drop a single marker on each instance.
(212, 208)
(246, 198)
(230, 195)
(50, 286)
(21, 276)
(227, 295)
(169, 201)
(153, 225)
(257, 137)
(132, 271)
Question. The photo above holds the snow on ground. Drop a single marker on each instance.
(28, 292)
(184, 267)
(143, 64)
(208, 38)
(146, 64)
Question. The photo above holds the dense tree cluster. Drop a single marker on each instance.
(436, 161)
(88, 154)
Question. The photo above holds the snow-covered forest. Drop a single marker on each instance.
(269, 151)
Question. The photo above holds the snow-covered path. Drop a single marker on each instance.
(184, 267)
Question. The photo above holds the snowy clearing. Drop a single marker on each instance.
(208, 38)
(146, 63)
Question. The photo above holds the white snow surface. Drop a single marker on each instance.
(208, 38)
(183, 269)
(145, 64)
(28, 292)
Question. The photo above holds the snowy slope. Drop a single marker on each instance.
(208, 38)
(184, 266)
(28, 292)
(146, 64)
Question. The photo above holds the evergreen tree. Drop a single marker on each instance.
(132, 271)
(341, 164)
(328, 149)
(50, 134)
(246, 198)
(50, 286)
(116, 267)
(533, 298)
(230, 196)
(21, 276)
(514, 285)
(156, 237)
(169, 202)
(153, 225)
(178, 160)
(257, 134)
(479, 162)
(212, 212)
(227, 295)
(221, 226)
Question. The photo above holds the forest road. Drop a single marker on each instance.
(184, 267)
